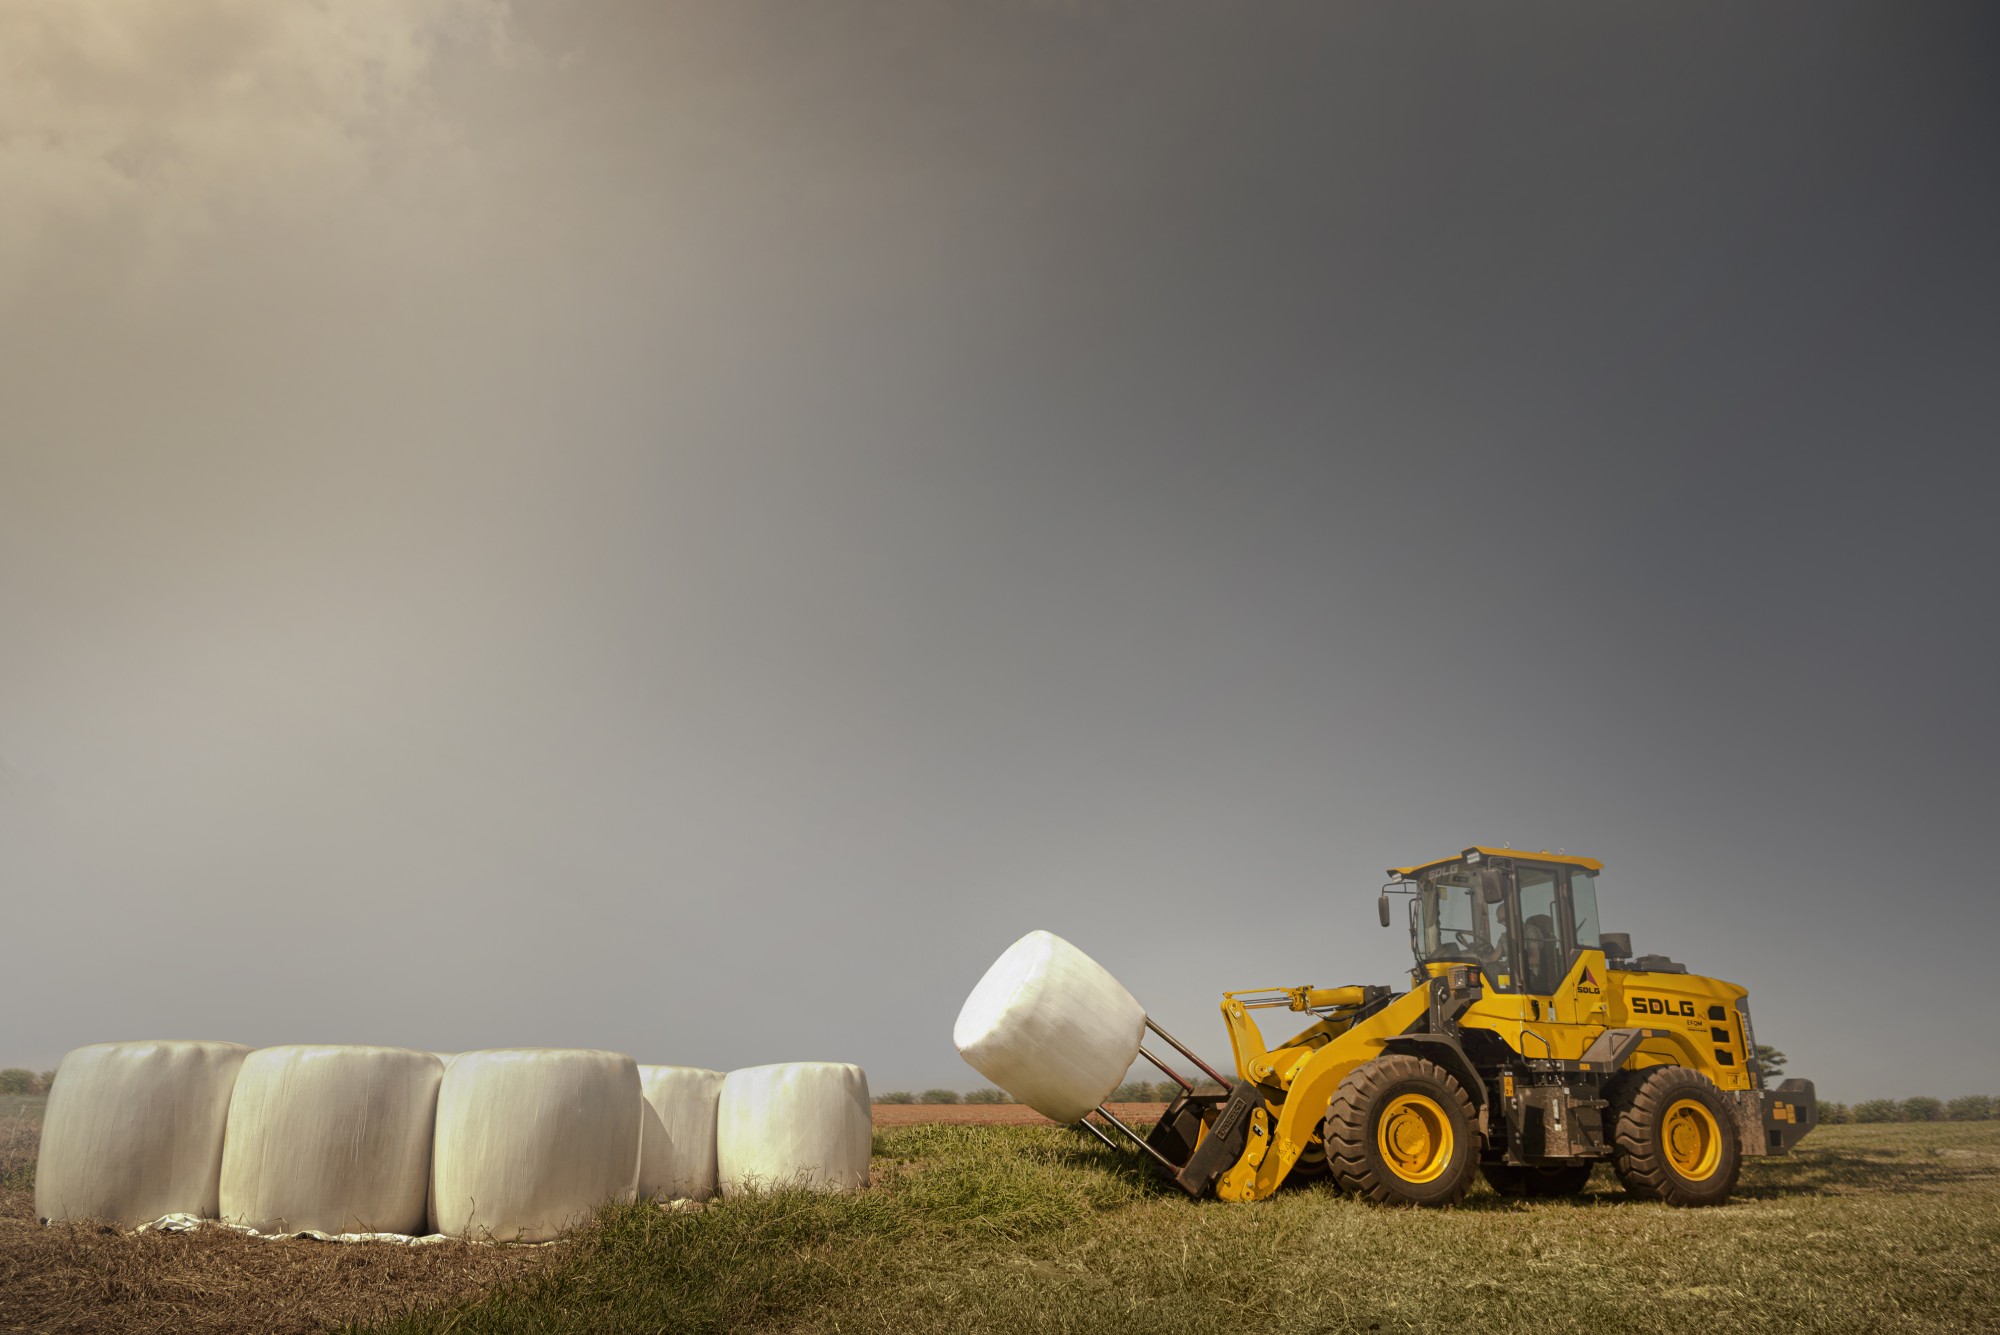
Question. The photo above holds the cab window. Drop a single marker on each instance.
(1541, 954)
(1457, 922)
(1583, 911)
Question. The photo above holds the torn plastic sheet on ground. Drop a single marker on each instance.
(187, 1223)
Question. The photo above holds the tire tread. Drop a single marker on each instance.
(1639, 1099)
(1347, 1132)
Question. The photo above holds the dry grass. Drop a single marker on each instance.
(80, 1278)
(20, 1135)
(1034, 1228)
(1031, 1229)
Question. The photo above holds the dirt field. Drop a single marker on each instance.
(86, 1280)
(996, 1114)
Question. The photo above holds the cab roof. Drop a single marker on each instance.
(1518, 854)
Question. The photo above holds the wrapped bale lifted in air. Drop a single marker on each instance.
(1529, 1047)
(1052, 1027)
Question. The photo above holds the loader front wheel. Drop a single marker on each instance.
(1400, 1132)
(1673, 1137)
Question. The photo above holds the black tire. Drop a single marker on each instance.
(1311, 1164)
(1517, 1182)
(1663, 1147)
(1426, 1152)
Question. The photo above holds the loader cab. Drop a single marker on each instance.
(1522, 918)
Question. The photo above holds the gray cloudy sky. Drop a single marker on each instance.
(688, 527)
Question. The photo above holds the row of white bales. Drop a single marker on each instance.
(518, 1143)
(511, 1144)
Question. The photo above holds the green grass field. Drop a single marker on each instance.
(1869, 1228)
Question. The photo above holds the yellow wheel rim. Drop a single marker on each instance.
(1693, 1140)
(1414, 1136)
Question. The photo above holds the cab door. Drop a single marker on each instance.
(1541, 963)
(1580, 1000)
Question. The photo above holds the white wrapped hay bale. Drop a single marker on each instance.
(1051, 1026)
(677, 1134)
(133, 1131)
(531, 1140)
(335, 1139)
(794, 1124)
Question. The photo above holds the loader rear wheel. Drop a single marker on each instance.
(1516, 1181)
(1400, 1132)
(1673, 1139)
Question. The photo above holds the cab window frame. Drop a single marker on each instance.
(1574, 947)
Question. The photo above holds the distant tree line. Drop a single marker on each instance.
(1968, 1108)
(17, 1080)
(1923, 1108)
(943, 1096)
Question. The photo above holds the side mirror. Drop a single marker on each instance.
(1382, 907)
(1617, 945)
(1492, 886)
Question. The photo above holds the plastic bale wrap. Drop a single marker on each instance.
(652, 1151)
(133, 1131)
(531, 1140)
(677, 1137)
(430, 1196)
(332, 1139)
(797, 1124)
(1051, 1026)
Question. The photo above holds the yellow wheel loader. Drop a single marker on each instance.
(1529, 1048)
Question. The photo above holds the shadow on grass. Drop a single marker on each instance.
(1830, 1167)
(1860, 1169)
(1832, 1171)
